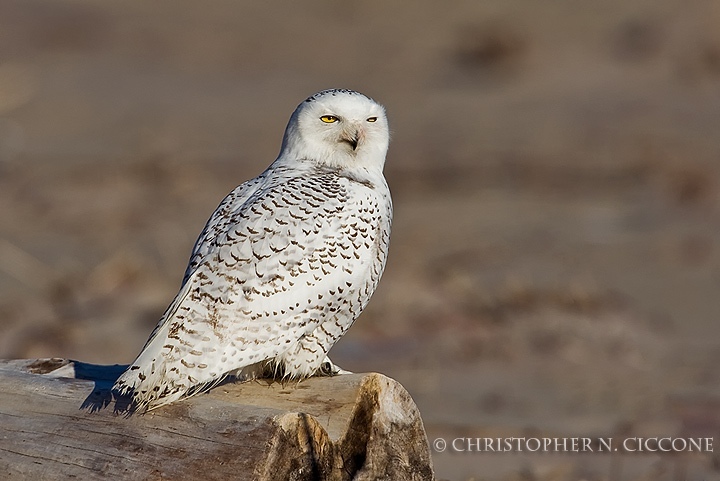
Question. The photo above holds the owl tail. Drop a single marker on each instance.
(163, 373)
(179, 360)
(151, 380)
(148, 382)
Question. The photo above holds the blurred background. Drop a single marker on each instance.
(555, 259)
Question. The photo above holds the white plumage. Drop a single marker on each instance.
(285, 264)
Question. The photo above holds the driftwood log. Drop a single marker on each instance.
(58, 421)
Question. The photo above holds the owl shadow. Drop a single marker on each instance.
(102, 395)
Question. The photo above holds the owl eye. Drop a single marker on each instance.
(372, 119)
(329, 119)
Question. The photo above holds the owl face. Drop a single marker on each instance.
(340, 128)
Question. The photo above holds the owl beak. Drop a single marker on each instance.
(353, 136)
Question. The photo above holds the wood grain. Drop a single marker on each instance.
(58, 420)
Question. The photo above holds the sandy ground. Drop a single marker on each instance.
(555, 259)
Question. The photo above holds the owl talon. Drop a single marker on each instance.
(327, 368)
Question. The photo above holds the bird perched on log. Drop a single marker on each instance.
(285, 264)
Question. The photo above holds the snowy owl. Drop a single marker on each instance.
(285, 264)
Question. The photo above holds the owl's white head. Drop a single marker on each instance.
(338, 128)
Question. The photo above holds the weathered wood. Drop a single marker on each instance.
(57, 422)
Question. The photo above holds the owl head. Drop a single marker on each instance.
(338, 128)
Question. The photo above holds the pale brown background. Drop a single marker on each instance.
(555, 259)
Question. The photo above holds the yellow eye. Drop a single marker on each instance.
(329, 119)
(372, 119)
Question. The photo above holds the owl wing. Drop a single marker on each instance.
(266, 271)
(219, 221)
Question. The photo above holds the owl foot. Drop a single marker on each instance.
(327, 368)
